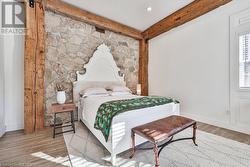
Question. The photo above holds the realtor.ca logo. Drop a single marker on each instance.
(13, 18)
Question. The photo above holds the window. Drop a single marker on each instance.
(244, 61)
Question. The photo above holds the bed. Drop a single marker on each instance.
(102, 71)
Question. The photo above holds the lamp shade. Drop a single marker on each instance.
(138, 89)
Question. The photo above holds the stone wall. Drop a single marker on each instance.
(70, 44)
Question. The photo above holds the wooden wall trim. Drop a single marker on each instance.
(29, 74)
(143, 66)
(191, 11)
(40, 67)
(91, 18)
(34, 68)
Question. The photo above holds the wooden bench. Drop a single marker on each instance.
(163, 129)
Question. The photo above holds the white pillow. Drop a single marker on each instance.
(94, 91)
(119, 89)
(120, 93)
(98, 95)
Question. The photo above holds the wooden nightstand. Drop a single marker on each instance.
(62, 108)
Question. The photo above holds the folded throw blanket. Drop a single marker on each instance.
(108, 110)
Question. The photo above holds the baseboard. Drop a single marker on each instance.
(2, 130)
(226, 125)
(13, 127)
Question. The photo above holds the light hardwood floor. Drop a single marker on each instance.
(237, 136)
(40, 149)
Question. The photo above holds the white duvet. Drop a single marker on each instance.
(91, 104)
(120, 136)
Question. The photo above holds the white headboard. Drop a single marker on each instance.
(101, 70)
(101, 67)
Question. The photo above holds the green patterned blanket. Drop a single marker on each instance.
(108, 110)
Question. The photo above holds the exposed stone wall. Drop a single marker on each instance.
(70, 44)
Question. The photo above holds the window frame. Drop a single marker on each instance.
(234, 57)
(239, 34)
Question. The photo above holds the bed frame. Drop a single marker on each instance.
(102, 70)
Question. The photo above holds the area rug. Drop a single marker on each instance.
(213, 151)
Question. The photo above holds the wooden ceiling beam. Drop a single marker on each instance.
(191, 11)
(91, 18)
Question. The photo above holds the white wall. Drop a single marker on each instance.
(12, 93)
(14, 82)
(191, 63)
(2, 125)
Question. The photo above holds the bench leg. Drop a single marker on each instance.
(156, 155)
(54, 129)
(133, 144)
(194, 134)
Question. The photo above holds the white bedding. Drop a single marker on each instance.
(91, 104)
(120, 136)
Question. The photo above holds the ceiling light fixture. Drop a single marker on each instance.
(149, 9)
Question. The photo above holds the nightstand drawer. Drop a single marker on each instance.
(63, 107)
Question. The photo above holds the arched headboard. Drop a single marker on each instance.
(101, 67)
(101, 71)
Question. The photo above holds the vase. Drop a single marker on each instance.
(61, 97)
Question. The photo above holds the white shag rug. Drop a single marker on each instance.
(212, 151)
